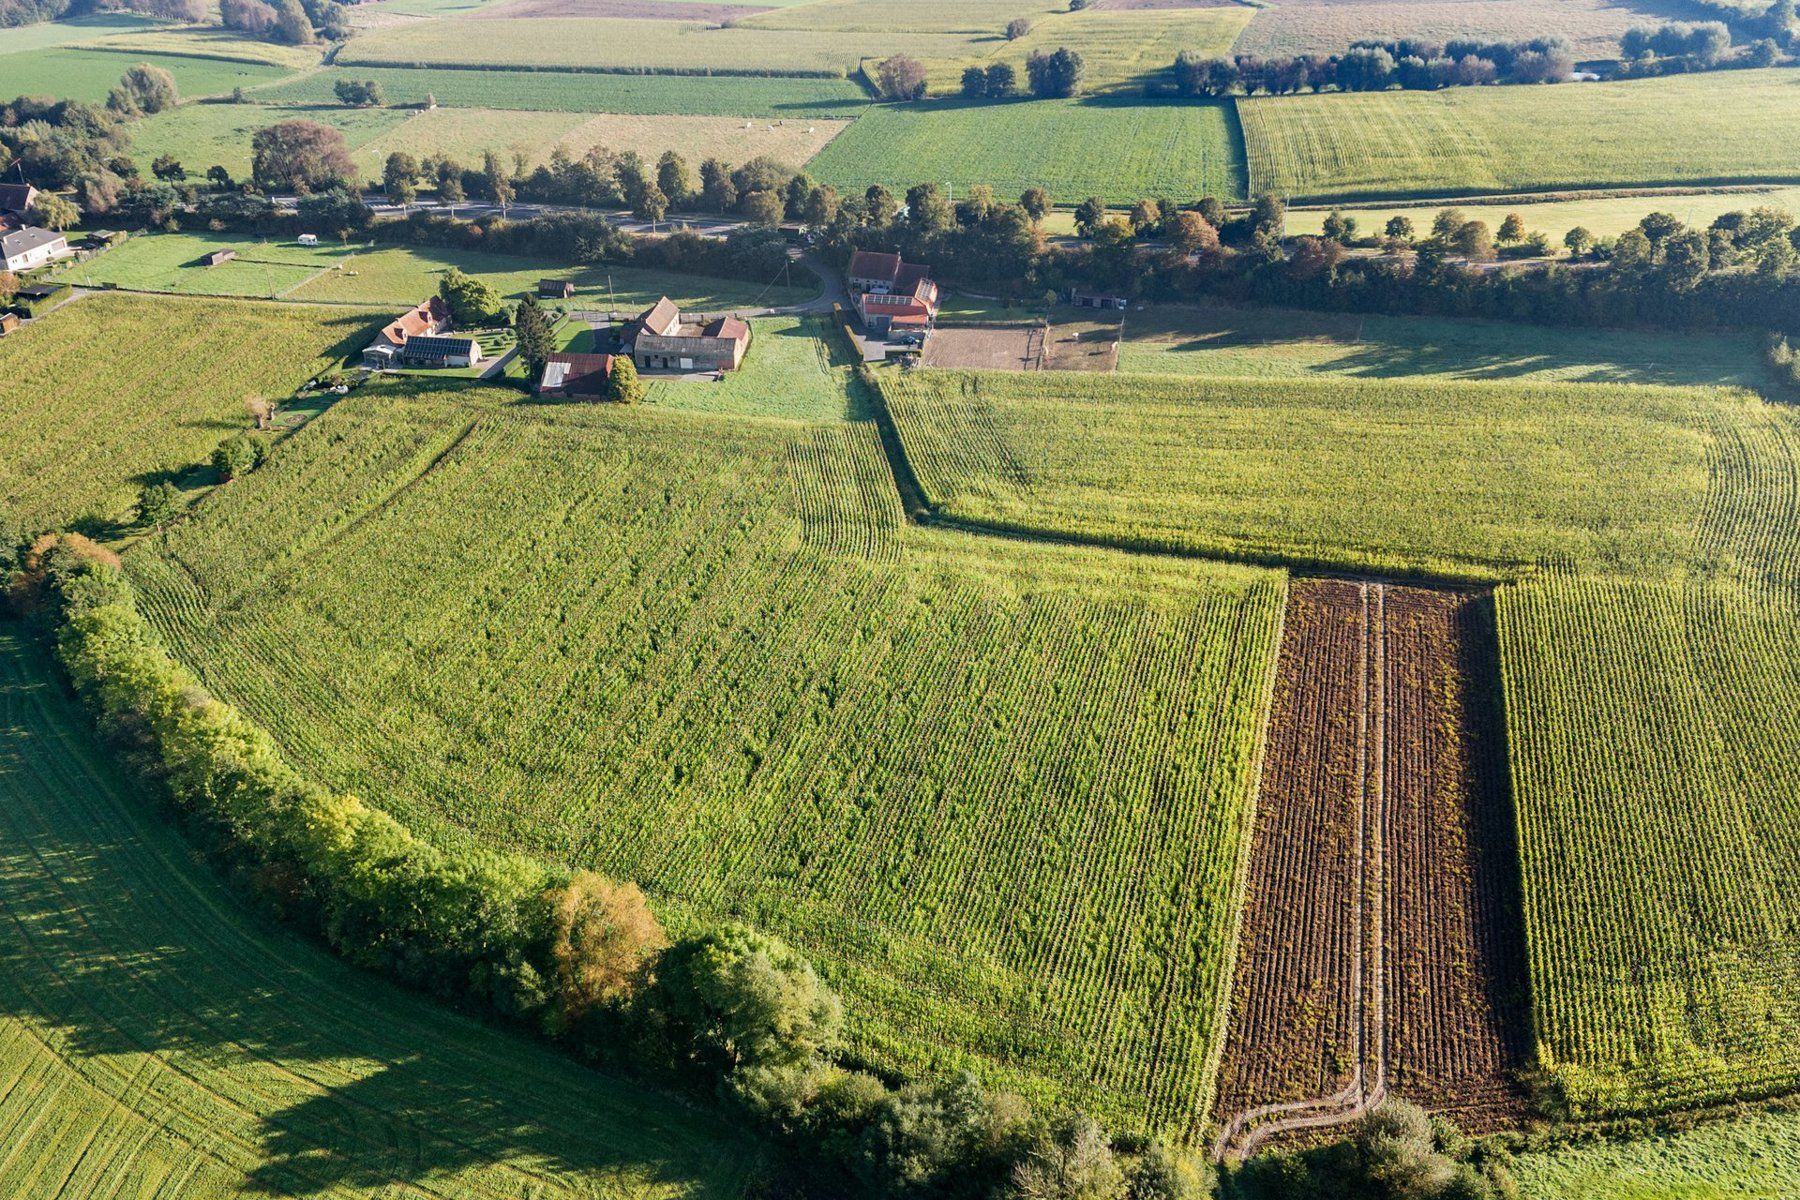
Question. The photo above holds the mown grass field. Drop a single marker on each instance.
(1231, 341)
(91, 28)
(200, 136)
(157, 1041)
(1116, 149)
(1475, 479)
(464, 133)
(79, 73)
(171, 262)
(1605, 216)
(1592, 27)
(797, 367)
(589, 92)
(1733, 128)
(1747, 1157)
(407, 274)
(111, 390)
(207, 42)
(998, 791)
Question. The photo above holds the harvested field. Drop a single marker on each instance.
(1384, 779)
(1082, 346)
(1592, 27)
(987, 348)
(1155, 5)
(634, 10)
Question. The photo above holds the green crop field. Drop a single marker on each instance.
(796, 367)
(77, 73)
(1733, 128)
(110, 389)
(407, 274)
(1115, 149)
(997, 791)
(1747, 1157)
(1231, 341)
(156, 1041)
(1466, 478)
(218, 135)
(566, 91)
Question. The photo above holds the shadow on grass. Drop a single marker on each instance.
(307, 1077)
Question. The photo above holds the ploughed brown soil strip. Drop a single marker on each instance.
(651, 10)
(1383, 824)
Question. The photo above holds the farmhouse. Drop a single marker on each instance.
(572, 375)
(555, 289)
(433, 350)
(219, 256)
(427, 319)
(665, 342)
(892, 296)
(17, 198)
(27, 247)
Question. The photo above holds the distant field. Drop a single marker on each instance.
(1592, 27)
(797, 368)
(463, 133)
(566, 91)
(1120, 49)
(83, 74)
(72, 32)
(1739, 1157)
(1265, 343)
(1733, 126)
(1606, 216)
(1473, 479)
(212, 43)
(709, 655)
(208, 135)
(1118, 150)
(621, 44)
(85, 427)
(157, 1041)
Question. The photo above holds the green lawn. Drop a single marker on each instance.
(171, 262)
(159, 1041)
(1118, 150)
(407, 274)
(1224, 341)
(796, 368)
(208, 135)
(84, 74)
(84, 429)
(561, 91)
(1715, 127)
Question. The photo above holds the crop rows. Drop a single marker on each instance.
(154, 1044)
(78, 438)
(998, 791)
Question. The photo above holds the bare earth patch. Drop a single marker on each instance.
(636, 10)
(986, 348)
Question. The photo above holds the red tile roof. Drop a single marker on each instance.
(582, 374)
(871, 264)
(727, 327)
(663, 319)
(427, 317)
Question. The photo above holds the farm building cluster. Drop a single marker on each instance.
(24, 246)
(893, 298)
(422, 336)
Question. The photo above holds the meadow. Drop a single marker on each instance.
(175, 379)
(1462, 141)
(1115, 149)
(464, 133)
(1467, 479)
(797, 368)
(1749, 1156)
(1592, 27)
(80, 73)
(171, 262)
(1601, 215)
(588, 92)
(407, 274)
(202, 42)
(1249, 342)
(200, 136)
(91, 28)
(709, 656)
(157, 1040)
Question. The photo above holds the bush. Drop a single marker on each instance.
(237, 456)
(603, 938)
(742, 999)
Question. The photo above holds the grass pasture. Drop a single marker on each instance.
(1470, 479)
(170, 262)
(169, 386)
(82, 73)
(797, 367)
(1592, 27)
(735, 675)
(589, 92)
(196, 42)
(1753, 1156)
(1733, 128)
(157, 1041)
(1116, 149)
(72, 32)
(1229, 341)
(209, 135)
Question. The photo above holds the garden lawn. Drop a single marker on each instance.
(1118, 150)
(111, 391)
(1712, 127)
(75, 73)
(407, 274)
(1271, 343)
(795, 367)
(200, 136)
(566, 91)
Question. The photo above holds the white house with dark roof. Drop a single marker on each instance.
(28, 247)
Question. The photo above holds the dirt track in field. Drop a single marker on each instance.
(1382, 945)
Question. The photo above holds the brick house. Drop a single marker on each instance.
(890, 295)
(429, 318)
(570, 376)
(667, 342)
